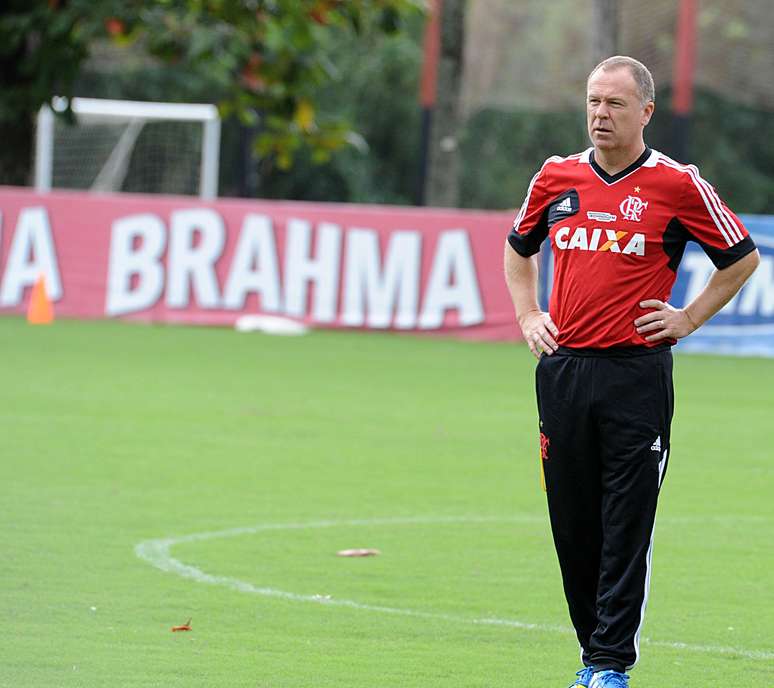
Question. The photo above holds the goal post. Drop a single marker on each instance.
(97, 152)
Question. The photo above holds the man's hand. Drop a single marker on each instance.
(668, 321)
(665, 321)
(539, 331)
(521, 276)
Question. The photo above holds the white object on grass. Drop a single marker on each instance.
(270, 324)
(361, 552)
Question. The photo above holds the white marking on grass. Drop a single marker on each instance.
(157, 553)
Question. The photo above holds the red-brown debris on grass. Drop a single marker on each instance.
(183, 627)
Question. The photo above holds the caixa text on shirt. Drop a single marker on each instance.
(598, 239)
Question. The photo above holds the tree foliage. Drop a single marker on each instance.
(264, 58)
(378, 94)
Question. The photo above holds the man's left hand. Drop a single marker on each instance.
(665, 321)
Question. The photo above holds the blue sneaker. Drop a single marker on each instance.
(609, 679)
(584, 678)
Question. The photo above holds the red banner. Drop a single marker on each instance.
(174, 259)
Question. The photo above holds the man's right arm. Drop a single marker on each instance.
(521, 276)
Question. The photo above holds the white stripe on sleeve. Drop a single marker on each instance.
(724, 223)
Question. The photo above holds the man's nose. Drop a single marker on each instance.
(602, 111)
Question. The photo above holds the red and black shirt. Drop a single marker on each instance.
(618, 239)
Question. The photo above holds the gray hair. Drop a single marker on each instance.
(642, 76)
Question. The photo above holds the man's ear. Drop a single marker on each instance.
(647, 113)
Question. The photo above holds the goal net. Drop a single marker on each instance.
(116, 145)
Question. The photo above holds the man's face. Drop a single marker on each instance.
(614, 112)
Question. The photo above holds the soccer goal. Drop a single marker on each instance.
(126, 145)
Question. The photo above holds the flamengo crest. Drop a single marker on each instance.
(632, 208)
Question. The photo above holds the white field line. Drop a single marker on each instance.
(157, 553)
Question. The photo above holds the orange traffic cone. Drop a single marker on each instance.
(40, 310)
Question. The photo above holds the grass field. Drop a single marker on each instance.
(115, 435)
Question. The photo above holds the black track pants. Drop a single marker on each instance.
(604, 422)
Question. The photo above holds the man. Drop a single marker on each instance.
(618, 217)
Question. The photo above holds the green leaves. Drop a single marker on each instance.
(272, 58)
(264, 56)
